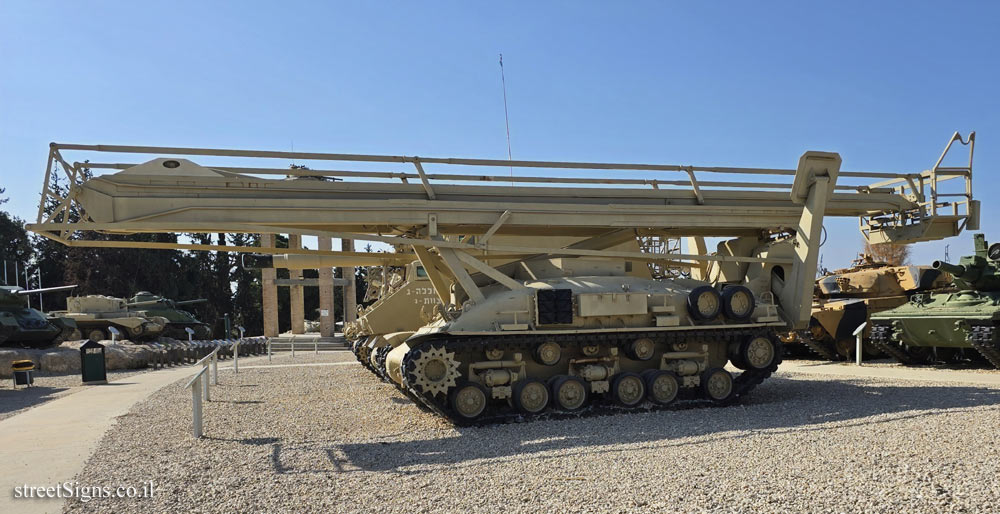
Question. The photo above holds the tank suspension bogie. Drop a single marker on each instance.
(454, 375)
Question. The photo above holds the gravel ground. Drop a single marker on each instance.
(966, 366)
(333, 438)
(47, 387)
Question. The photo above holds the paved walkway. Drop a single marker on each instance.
(49, 444)
(839, 369)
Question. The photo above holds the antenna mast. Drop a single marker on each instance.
(506, 118)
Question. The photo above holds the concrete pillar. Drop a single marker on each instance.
(269, 292)
(350, 290)
(326, 314)
(295, 293)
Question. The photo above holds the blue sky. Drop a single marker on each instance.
(713, 83)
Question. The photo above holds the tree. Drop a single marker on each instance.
(892, 254)
(14, 244)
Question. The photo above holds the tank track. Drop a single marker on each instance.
(981, 338)
(743, 383)
(822, 348)
(881, 338)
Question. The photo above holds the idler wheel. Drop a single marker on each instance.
(469, 400)
(641, 349)
(628, 389)
(548, 354)
(738, 303)
(661, 386)
(569, 393)
(531, 396)
(758, 352)
(96, 335)
(704, 303)
(717, 384)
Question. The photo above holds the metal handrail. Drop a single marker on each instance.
(200, 386)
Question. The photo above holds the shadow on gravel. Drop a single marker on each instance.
(780, 406)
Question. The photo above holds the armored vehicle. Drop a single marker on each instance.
(147, 304)
(21, 325)
(559, 329)
(95, 315)
(935, 325)
(845, 298)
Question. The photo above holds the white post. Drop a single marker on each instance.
(204, 383)
(196, 408)
(859, 334)
(215, 367)
(269, 350)
(315, 346)
(293, 348)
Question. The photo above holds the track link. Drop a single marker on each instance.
(743, 383)
(824, 349)
(881, 338)
(981, 337)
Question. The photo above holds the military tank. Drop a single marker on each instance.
(21, 325)
(95, 315)
(845, 298)
(148, 305)
(935, 326)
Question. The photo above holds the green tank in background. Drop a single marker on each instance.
(147, 304)
(846, 298)
(943, 326)
(23, 326)
(96, 315)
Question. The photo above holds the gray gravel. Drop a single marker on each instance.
(333, 438)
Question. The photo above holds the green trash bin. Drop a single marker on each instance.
(92, 363)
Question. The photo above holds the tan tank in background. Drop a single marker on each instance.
(846, 298)
(96, 314)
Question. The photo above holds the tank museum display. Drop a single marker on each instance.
(517, 330)
(95, 315)
(846, 298)
(936, 326)
(20, 325)
(175, 319)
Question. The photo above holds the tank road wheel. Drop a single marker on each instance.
(434, 371)
(641, 349)
(757, 352)
(628, 389)
(548, 354)
(704, 303)
(469, 400)
(661, 386)
(96, 335)
(845, 348)
(717, 385)
(569, 393)
(531, 396)
(738, 303)
(76, 335)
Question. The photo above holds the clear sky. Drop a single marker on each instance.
(712, 83)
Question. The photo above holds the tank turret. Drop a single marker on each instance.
(979, 272)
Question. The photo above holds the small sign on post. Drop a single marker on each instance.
(92, 364)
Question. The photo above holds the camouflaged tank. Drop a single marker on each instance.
(95, 315)
(23, 326)
(846, 298)
(937, 326)
(148, 304)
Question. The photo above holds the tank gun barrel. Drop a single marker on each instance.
(143, 303)
(955, 269)
(191, 302)
(24, 292)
